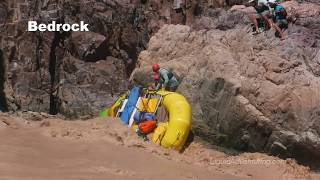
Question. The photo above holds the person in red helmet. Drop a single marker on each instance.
(167, 79)
(155, 68)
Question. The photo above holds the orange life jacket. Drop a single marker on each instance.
(147, 127)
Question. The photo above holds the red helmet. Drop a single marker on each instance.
(156, 77)
(155, 67)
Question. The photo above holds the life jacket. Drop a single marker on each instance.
(148, 126)
(172, 74)
(280, 12)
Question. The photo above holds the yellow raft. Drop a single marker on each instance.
(172, 134)
(179, 123)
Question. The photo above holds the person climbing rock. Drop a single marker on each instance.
(263, 12)
(280, 14)
(167, 79)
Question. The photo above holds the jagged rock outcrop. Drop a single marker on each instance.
(252, 93)
(76, 73)
(60, 72)
(41, 67)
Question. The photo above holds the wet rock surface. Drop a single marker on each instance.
(251, 93)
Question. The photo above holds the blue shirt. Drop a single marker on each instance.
(279, 12)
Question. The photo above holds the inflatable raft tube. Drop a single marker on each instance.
(179, 123)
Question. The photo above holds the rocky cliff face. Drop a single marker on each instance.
(71, 73)
(252, 93)
(76, 74)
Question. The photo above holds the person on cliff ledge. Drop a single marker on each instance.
(263, 12)
(167, 80)
(280, 15)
